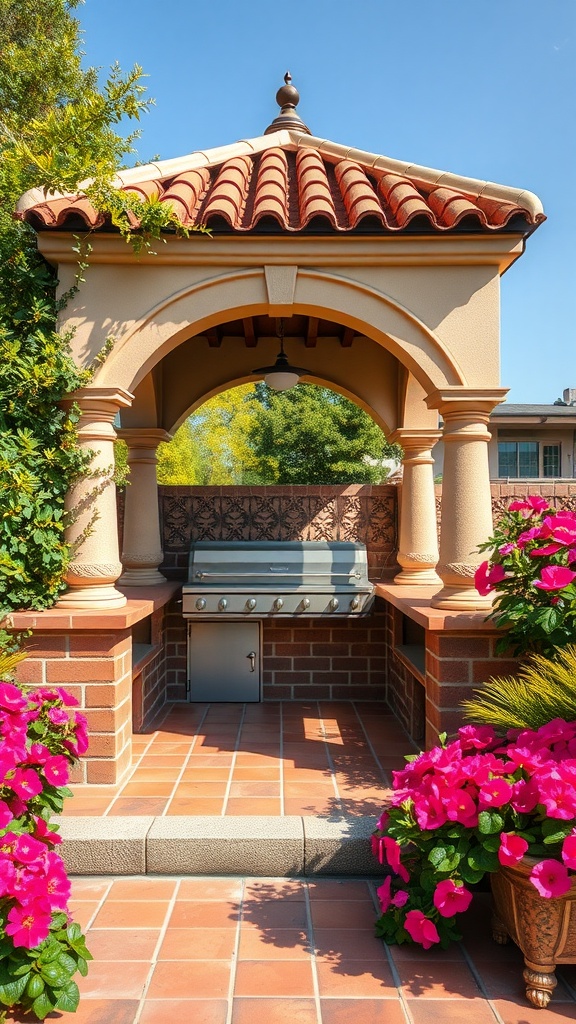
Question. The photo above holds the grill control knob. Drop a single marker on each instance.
(355, 603)
(201, 604)
(305, 603)
(251, 604)
(334, 604)
(278, 604)
(222, 604)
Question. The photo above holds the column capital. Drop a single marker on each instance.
(94, 400)
(456, 401)
(415, 437)
(143, 437)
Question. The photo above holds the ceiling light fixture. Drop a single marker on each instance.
(282, 376)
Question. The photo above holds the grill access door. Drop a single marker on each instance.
(224, 661)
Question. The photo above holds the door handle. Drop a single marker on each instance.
(252, 657)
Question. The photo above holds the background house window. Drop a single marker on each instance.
(528, 459)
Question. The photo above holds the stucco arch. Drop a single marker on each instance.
(244, 293)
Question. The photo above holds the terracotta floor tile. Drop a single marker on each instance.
(82, 912)
(343, 914)
(362, 1011)
(338, 889)
(200, 789)
(161, 761)
(361, 807)
(195, 805)
(209, 760)
(446, 980)
(270, 914)
(313, 791)
(183, 1011)
(159, 747)
(132, 914)
(93, 1011)
(273, 978)
(274, 1011)
(460, 1011)
(203, 773)
(300, 806)
(256, 805)
(244, 760)
(256, 774)
(355, 978)
(210, 889)
(351, 943)
(152, 774)
(256, 788)
(119, 944)
(88, 807)
(205, 914)
(129, 805)
(156, 788)
(198, 944)
(107, 979)
(426, 957)
(281, 944)
(89, 888)
(522, 1012)
(149, 888)
(200, 980)
(287, 890)
(306, 774)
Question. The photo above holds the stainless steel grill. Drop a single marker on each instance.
(257, 579)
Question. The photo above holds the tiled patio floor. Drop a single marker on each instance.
(282, 758)
(276, 951)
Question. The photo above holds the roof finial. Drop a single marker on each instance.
(287, 99)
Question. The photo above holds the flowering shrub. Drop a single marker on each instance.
(532, 571)
(461, 810)
(40, 947)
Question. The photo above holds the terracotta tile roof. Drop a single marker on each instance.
(291, 181)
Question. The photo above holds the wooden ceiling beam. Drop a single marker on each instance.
(214, 339)
(249, 333)
(312, 333)
(347, 337)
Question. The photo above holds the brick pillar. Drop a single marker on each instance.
(96, 667)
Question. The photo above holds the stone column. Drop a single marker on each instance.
(142, 546)
(418, 546)
(466, 518)
(91, 504)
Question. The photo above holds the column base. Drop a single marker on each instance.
(146, 577)
(462, 599)
(97, 597)
(417, 578)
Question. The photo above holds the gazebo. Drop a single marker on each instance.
(386, 276)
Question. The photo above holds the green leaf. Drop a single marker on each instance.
(10, 991)
(68, 997)
(55, 975)
(469, 874)
(44, 1004)
(67, 962)
(73, 932)
(35, 986)
(490, 822)
(482, 860)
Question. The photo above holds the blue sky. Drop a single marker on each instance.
(485, 90)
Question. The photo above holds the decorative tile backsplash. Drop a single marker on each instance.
(353, 512)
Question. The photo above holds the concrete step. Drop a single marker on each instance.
(254, 845)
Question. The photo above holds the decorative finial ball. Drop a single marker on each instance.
(288, 94)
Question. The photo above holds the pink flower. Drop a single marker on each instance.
(505, 549)
(461, 807)
(393, 850)
(57, 883)
(42, 831)
(11, 698)
(6, 815)
(476, 736)
(533, 503)
(58, 716)
(558, 798)
(401, 898)
(555, 577)
(382, 821)
(27, 849)
(7, 875)
(548, 549)
(383, 894)
(550, 878)
(569, 851)
(25, 783)
(38, 754)
(377, 843)
(56, 770)
(486, 578)
(28, 925)
(494, 793)
(450, 899)
(528, 535)
(512, 848)
(421, 929)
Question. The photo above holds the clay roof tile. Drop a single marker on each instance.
(271, 189)
(227, 198)
(360, 199)
(314, 195)
(185, 193)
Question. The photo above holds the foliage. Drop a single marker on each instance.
(544, 689)
(57, 128)
(311, 435)
(461, 810)
(40, 947)
(531, 569)
(211, 446)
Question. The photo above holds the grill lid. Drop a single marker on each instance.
(313, 564)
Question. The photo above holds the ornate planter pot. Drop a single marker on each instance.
(544, 929)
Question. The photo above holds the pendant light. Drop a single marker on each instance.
(282, 376)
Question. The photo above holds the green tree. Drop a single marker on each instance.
(310, 435)
(57, 128)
